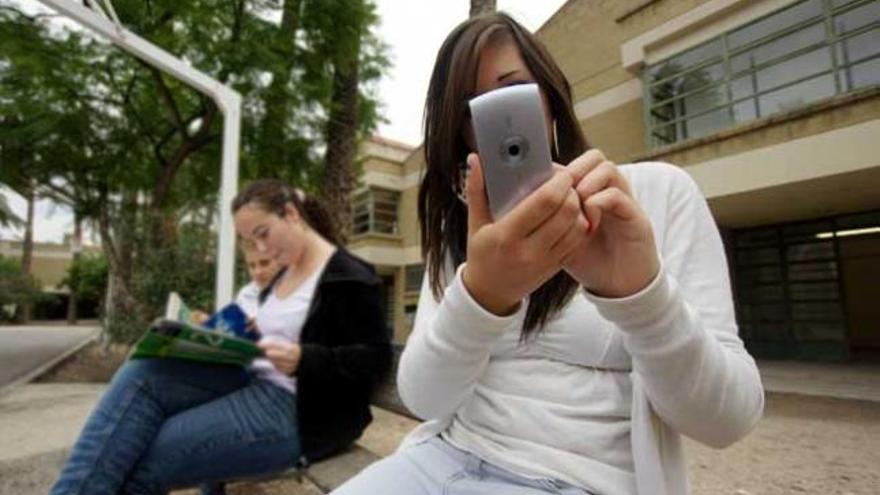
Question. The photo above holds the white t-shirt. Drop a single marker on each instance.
(282, 319)
(248, 299)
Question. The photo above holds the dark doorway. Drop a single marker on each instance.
(860, 266)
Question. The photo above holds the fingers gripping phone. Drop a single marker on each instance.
(512, 140)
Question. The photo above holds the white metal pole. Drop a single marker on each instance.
(228, 188)
(227, 100)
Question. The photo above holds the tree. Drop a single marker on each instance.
(87, 279)
(8, 218)
(341, 133)
(76, 252)
(479, 7)
(16, 289)
(137, 153)
(27, 247)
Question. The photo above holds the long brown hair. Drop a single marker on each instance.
(273, 195)
(442, 216)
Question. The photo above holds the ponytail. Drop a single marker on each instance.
(318, 217)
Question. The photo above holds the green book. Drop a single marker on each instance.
(178, 336)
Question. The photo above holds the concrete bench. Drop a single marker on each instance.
(323, 476)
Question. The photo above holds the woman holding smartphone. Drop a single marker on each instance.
(566, 346)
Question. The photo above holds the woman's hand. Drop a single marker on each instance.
(510, 258)
(618, 256)
(251, 326)
(283, 355)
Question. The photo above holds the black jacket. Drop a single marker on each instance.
(346, 352)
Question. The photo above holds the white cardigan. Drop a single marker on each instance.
(690, 374)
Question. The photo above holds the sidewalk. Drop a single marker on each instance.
(28, 351)
(842, 381)
(38, 424)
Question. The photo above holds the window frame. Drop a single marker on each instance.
(676, 126)
(367, 200)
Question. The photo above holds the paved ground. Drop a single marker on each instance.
(824, 439)
(803, 445)
(25, 349)
(843, 381)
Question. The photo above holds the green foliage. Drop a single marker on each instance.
(8, 218)
(84, 118)
(125, 327)
(87, 277)
(15, 288)
(187, 268)
(135, 151)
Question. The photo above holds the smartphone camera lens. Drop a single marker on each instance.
(514, 149)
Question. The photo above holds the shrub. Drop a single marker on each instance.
(16, 289)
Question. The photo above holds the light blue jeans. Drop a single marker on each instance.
(166, 423)
(434, 467)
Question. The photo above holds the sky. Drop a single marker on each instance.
(414, 31)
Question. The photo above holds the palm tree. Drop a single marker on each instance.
(482, 7)
(8, 218)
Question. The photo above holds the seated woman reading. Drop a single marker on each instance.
(164, 423)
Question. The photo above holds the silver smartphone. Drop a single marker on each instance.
(512, 140)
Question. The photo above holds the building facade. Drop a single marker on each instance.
(773, 107)
(385, 227)
(49, 267)
(50, 261)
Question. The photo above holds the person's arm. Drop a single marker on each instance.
(366, 355)
(508, 259)
(448, 349)
(681, 330)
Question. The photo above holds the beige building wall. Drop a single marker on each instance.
(817, 163)
(818, 160)
(50, 261)
(390, 166)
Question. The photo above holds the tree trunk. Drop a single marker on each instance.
(163, 223)
(27, 249)
(76, 251)
(271, 143)
(479, 7)
(118, 247)
(342, 141)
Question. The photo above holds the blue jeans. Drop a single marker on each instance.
(166, 423)
(434, 467)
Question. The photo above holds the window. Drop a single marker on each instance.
(375, 210)
(804, 53)
(790, 283)
(414, 274)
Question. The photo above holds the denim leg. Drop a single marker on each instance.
(250, 432)
(142, 394)
(434, 467)
(419, 469)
